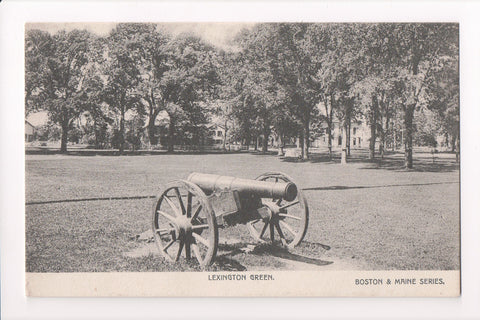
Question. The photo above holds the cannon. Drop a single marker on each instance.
(188, 213)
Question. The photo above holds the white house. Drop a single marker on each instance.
(359, 135)
(29, 132)
(217, 135)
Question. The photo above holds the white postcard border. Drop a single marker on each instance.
(14, 14)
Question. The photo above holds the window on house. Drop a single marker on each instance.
(339, 140)
(354, 141)
(354, 131)
(219, 133)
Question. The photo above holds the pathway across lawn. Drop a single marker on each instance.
(370, 215)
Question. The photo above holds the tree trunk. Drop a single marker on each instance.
(329, 127)
(122, 132)
(394, 146)
(408, 140)
(373, 127)
(344, 142)
(329, 138)
(151, 128)
(454, 139)
(171, 134)
(306, 137)
(383, 136)
(349, 128)
(63, 145)
(266, 134)
(96, 132)
(382, 144)
(64, 138)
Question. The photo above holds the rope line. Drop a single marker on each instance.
(331, 188)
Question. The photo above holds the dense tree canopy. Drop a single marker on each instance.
(276, 81)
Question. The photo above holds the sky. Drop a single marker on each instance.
(218, 34)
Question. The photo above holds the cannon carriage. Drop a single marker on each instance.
(188, 213)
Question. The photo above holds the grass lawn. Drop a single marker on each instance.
(372, 215)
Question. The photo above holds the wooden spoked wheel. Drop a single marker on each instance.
(289, 219)
(184, 224)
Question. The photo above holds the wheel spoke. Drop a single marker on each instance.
(201, 239)
(168, 245)
(200, 226)
(289, 205)
(272, 231)
(180, 201)
(255, 221)
(196, 251)
(173, 206)
(197, 211)
(180, 247)
(287, 226)
(187, 249)
(280, 233)
(166, 215)
(289, 216)
(263, 229)
(189, 204)
(163, 232)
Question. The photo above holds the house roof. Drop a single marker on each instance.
(28, 123)
(215, 125)
(37, 119)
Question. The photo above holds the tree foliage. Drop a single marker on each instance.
(277, 80)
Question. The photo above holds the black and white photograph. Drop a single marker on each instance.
(235, 150)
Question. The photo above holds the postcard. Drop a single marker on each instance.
(192, 159)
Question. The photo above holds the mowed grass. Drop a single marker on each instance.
(371, 214)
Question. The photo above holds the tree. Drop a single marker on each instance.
(302, 52)
(96, 112)
(256, 84)
(148, 45)
(372, 88)
(421, 50)
(237, 103)
(444, 101)
(122, 77)
(188, 84)
(58, 84)
(345, 69)
(38, 46)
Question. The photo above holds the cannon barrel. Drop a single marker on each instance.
(264, 189)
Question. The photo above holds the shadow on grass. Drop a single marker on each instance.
(377, 186)
(284, 253)
(419, 165)
(266, 249)
(91, 153)
(391, 161)
(225, 263)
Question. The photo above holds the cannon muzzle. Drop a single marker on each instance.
(265, 189)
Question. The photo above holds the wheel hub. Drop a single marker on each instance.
(182, 226)
(274, 209)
